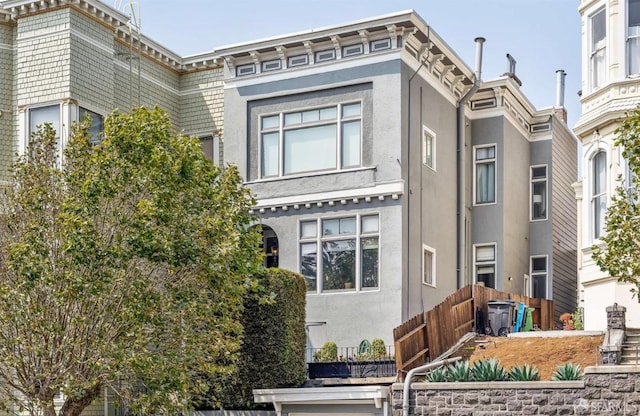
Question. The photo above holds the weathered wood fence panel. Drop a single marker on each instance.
(428, 335)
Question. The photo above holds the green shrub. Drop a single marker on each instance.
(488, 370)
(273, 352)
(329, 351)
(458, 371)
(523, 373)
(566, 372)
(437, 375)
(378, 348)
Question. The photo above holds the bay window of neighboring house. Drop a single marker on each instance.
(598, 193)
(538, 193)
(485, 265)
(633, 37)
(319, 139)
(349, 258)
(485, 174)
(598, 42)
(539, 273)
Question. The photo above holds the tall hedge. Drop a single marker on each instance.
(273, 352)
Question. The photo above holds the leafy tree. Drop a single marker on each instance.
(122, 266)
(619, 252)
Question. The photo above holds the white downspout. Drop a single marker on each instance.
(407, 381)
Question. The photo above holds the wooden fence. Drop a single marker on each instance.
(428, 335)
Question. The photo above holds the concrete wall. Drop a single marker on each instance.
(610, 390)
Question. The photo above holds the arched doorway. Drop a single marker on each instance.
(270, 246)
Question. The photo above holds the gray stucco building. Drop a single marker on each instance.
(389, 177)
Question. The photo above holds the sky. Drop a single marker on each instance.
(542, 35)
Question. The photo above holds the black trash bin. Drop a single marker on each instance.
(501, 315)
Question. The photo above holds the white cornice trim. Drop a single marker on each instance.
(342, 197)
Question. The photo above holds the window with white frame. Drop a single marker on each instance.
(598, 44)
(485, 265)
(349, 248)
(317, 139)
(97, 124)
(485, 174)
(38, 116)
(428, 148)
(211, 148)
(633, 37)
(539, 275)
(428, 266)
(538, 193)
(598, 193)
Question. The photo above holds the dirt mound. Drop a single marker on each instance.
(545, 353)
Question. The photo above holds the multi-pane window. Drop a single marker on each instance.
(599, 193)
(428, 266)
(485, 174)
(349, 248)
(538, 192)
(38, 116)
(539, 276)
(485, 265)
(428, 148)
(633, 36)
(598, 48)
(97, 124)
(319, 139)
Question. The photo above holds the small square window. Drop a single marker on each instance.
(327, 55)
(380, 44)
(370, 224)
(245, 70)
(308, 229)
(352, 50)
(298, 60)
(272, 65)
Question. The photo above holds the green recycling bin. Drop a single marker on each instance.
(528, 323)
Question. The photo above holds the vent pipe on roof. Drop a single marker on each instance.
(560, 74)
(478, 72)
(560, 111)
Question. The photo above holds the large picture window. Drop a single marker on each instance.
(598, 48)
(349, 248)
(599, 193)
(538, 193)
(38, 116)
(485, 174)
(319, 139)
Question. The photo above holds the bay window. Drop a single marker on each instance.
(349, 253)
(319, 139)
(97, 125)
(598, 26)
(38, 116)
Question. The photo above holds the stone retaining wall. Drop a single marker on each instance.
(610, 390)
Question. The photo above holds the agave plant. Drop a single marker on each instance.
(523, 373)
(488, 370)
(437, 375)
(567, 371)
(458, 371)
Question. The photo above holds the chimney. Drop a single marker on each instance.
(511, 71)
(560, 111)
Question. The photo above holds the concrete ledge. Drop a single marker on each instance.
(555, 334)
(494, 385)
(612, 369)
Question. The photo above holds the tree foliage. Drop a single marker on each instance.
(122, 266)
(619, 250)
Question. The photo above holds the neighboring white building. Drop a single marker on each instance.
(610, 89)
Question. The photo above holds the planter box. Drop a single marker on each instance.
(355, 369)
(333, 369)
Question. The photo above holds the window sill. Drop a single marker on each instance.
(310, 174)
